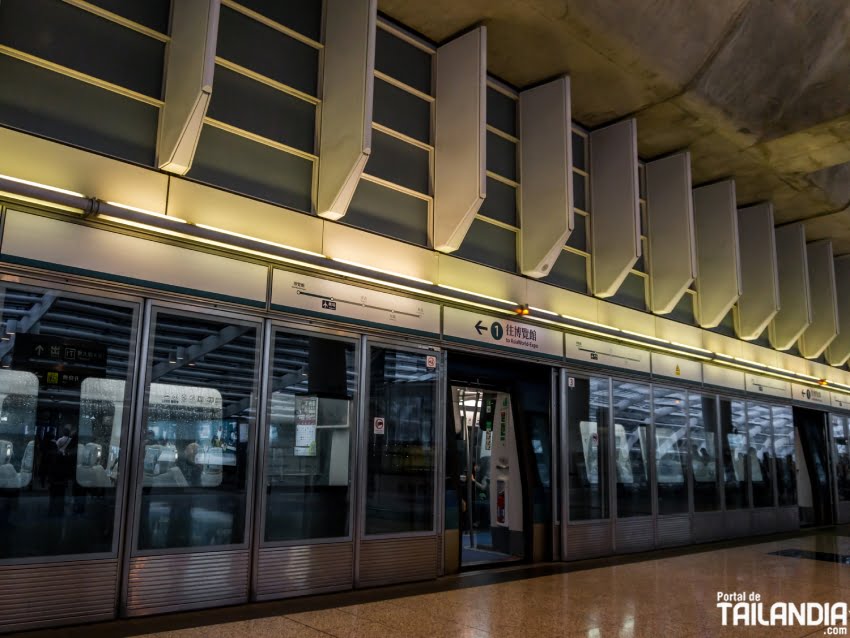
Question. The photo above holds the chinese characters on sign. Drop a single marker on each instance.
(472, 327)
(57, 361)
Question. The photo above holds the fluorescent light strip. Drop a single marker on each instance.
(478, 294)
(55, 189)
(643, 336)
(146, 212)
(258, 240)
(382, 271)
(592, 323)
(753, 363)
(545, 312)
(697, 348)
(727, 359)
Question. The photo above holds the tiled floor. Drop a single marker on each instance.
(654, 598)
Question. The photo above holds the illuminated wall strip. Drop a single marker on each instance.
(174, 226)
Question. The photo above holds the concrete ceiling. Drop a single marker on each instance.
(758, 90)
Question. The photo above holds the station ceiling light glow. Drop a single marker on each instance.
(210, 235)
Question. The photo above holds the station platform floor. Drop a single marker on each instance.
(659, 594)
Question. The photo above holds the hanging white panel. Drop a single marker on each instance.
(615, 221)
(795, 313)
(189, 74)
(759, 300)
(718, 281)
(671, 261)
(460, 174)
(824, 326)
(839, 350)
(546, 159)
(348, 75)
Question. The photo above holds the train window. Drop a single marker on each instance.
(760, 452)
(64, 391)
(842, 456)
(786, 457)
(199, 422)
(588, 430)
(401, 447)
(735, 458)
(702, 427)
(670, 409)
(631, 445)
(310, 416)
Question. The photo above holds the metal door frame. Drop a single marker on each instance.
(358, 523)
(272, 328)
(153, 308)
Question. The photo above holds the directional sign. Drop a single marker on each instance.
(810, 394)
(58, 361)
(501, 332)
(352, 303)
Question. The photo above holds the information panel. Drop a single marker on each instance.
(841, 401)
(492, 331)
(291, 291)
(589, 350)
(758, 384)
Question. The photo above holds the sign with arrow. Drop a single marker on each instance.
(462, 325)
(57, 360)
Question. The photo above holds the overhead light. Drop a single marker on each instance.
(544, 311)
(147, 212)
(55, 189)
(591, 323)
(478, 294)
(257, 239)
(382, 271)
(690, 347)
(643, 336)
(210, 235)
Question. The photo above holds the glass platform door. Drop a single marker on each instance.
(399, 451)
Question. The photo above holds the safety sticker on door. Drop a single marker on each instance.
(378, 425)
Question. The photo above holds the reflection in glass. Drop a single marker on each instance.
(401, 447)
(63, 395)
(786, 456)
(631, 418)
(588, 428)
(842, 456)
(733, 433)
(201, 406)
(702, 414)
(669, 408)
(760, 453)
(311, 411)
